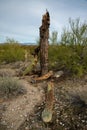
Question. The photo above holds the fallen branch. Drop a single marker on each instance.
(44, 77)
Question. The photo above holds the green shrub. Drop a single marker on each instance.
(84, 61)
(11, 51)
(10, 87)
(69, 58)
(71, 53)
(59, 56)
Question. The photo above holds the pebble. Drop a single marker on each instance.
(78, 125)
(26, 128)
(57, 120)
(8, 127)
(3, 122)
(21, 115)
(67, 116)
(33, 121)
(12, 109)
(79, 117)
(27, 119)
(58, 112)
(25, 115)
(60, 123)
(83, 121)
(18, 108)
(12, 125)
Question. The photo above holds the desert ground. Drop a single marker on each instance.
(23, 111)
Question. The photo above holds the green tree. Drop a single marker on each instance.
(77, 35)
(53, 38)
(11, 41)
(38, 41)
(78, 31)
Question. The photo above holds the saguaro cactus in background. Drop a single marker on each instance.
(44, 35)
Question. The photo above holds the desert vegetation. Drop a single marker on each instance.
(66, 100)
(10, 87)
(68, 54)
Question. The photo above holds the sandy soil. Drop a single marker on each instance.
(19, 108)
(24, 111)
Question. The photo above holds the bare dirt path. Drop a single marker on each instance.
(18, 109)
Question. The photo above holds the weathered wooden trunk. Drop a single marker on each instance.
(44, 43)
(47, 113)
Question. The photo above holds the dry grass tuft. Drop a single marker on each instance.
(10, 87)
(7, 73)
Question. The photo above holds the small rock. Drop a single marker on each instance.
(27, 119)
(21, 115)
(3, 122)
(18, 108)
(61, 123)
(57, 120)
(83, 121)
(26, 128)
(25, 115)
(12, 109)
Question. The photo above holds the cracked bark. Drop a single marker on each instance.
(44, 43)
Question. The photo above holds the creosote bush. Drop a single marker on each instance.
(10, 87)
(70, 54)
(68, 58)
(11, 51)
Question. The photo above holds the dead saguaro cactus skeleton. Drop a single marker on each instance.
(44, 35)
(47, 113)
